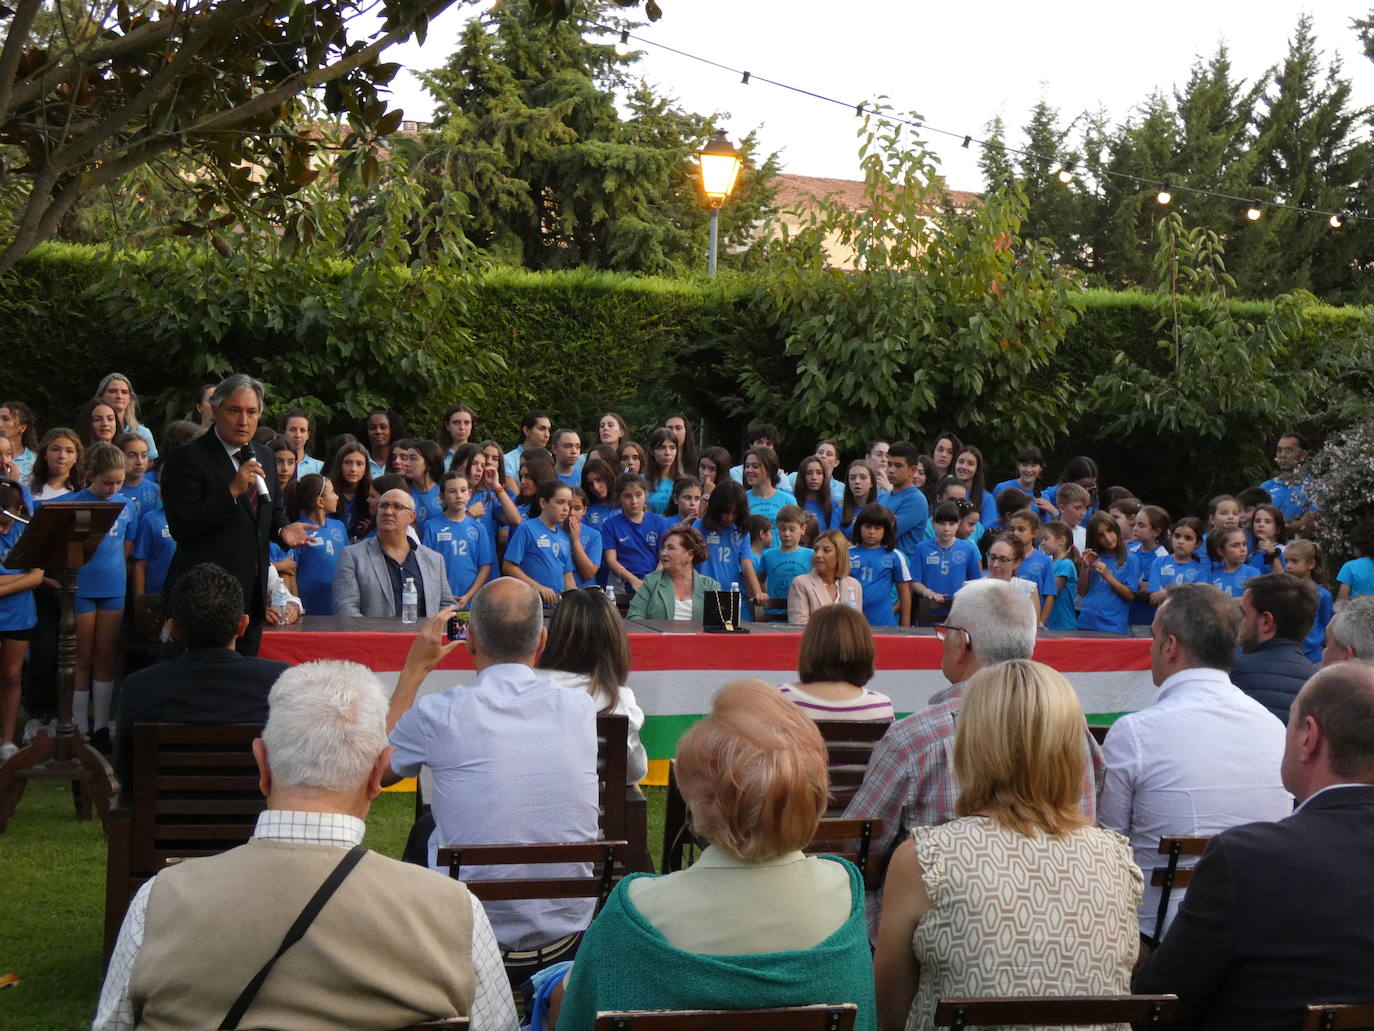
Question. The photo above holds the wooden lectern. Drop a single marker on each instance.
(59, 540)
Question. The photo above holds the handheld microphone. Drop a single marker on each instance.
(263, 492)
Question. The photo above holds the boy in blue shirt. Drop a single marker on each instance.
(946, 563)
(779, 566)
(906, 502)
(462, 540)
(630, 538)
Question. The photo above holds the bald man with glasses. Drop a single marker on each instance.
(372, 573)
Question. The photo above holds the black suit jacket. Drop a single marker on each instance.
(210, 525)
(202, 685)
(1278, 915)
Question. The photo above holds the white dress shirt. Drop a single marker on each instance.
(492, 1006)
(1204, 757)
(637, 759)
(514, 762)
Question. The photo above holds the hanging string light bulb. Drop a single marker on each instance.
(1165, 194)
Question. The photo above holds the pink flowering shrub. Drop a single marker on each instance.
(1341, 485)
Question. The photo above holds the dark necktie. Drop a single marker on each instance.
(246, 455)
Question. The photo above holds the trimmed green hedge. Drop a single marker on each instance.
(572, 343)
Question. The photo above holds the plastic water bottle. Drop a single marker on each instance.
(410, 601)
(851, 597)
(610, 593)
(281, 601)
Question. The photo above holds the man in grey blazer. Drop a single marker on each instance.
(371, 573)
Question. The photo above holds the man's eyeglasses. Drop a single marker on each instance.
(394, 506)
(943, 630)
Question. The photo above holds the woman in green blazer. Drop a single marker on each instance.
(675, 590)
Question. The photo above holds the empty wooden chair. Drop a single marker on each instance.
(849, 745)
(839, 1017)
(1142, 1011)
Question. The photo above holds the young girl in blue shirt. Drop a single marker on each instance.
(1181, 565)
(587, 545)
(598, 484)
(138, 487)
(1356, 577)
(100, 588)
(1229, 569)
(461, 539)
(1269, 535)
(881, 570)
(813, 492)
(540, 551)
(860, 489)
(729, 559)
(1303, 559)
(18, 614)
(1057, 610)
(312, 499)
(968, 468)
(1112, 580)
(666, 467)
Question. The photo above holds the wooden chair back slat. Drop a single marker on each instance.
(1171, 876)
(839, 1017)
(600, 854)
(1339, 1017)
(1141, 1010)
(849, 747)
(612, 735)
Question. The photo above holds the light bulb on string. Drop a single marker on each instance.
(622, 47)
(1065, 174)
(1254, 212)
(1336, 221)
(1165, 194)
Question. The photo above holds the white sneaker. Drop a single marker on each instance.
(31, 730)
(7, 751)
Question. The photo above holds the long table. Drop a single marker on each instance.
(676, 668)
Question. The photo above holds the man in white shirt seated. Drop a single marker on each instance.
(393, 945)
(513, 757)
(1204, 756)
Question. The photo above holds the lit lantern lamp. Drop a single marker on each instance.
(720, 163)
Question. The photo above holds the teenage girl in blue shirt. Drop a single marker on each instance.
(813, 493)
(761, 477)
(461, 539)
(138, 487)
(879, 567)
(18, 614)
(540, 551)
(1112, 578)
(100, 588)
(350, 472)
(587, 545)
(968, 468)
(666, 467)
(598, 482)
(729, 559)
(312, 499)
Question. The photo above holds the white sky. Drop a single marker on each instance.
(958, 64)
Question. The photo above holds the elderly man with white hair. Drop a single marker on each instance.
(1350, 634)
(391, 945)
(910, 779)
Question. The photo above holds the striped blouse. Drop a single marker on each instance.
(868, 706)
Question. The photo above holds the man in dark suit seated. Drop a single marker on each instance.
(1281, 915)
(210, 682)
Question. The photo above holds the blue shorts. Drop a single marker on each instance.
(85, 605)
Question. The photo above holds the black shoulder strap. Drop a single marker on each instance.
(295, 934)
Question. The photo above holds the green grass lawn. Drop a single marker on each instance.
(52, 880)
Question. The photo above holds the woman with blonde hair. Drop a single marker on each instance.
(828, 583)
(732, 932)
(949, 925)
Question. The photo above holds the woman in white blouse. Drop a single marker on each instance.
(587, 650)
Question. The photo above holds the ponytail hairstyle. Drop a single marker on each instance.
(302, 494)
(101, 458)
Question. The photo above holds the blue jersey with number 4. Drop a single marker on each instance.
(543, 554)
(316, 562)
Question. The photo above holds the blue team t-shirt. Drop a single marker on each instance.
(660, 496)
(1038, 568)
(997, 490)
(144, 495)
(598, 514)
(945, 570)
(104, 574)
(635, 544)
(315, 566)
(1232, 583)
(17, 610)
(154, 545)
(428, 505)
(1315, 641)
(1170, 572)
(1103, 608)
(726, 550)
(822, 522)
(465, 547)
(777, 569)
(1289, 498)
(593, 545)
(878, 571)
(1063, 615)
(770, 507)
(912, 511)
(1359, 574)
(542, 554)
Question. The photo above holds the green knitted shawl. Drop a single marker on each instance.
(625, 963)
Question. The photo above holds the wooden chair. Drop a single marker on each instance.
(598, 885)
(1142, 1011)
(624, 810)
(1172, 876)
(194, 793)
(1339, 1017)
(849, 745)
(839, 1017)
(848, 839)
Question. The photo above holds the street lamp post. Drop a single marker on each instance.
(720, 163)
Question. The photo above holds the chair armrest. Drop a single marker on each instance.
(637, 831)
(119, 829)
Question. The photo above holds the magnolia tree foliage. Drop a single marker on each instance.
(99, 88)
(950, 318)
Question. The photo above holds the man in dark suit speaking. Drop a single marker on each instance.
(222, 508)
(1281, 915)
